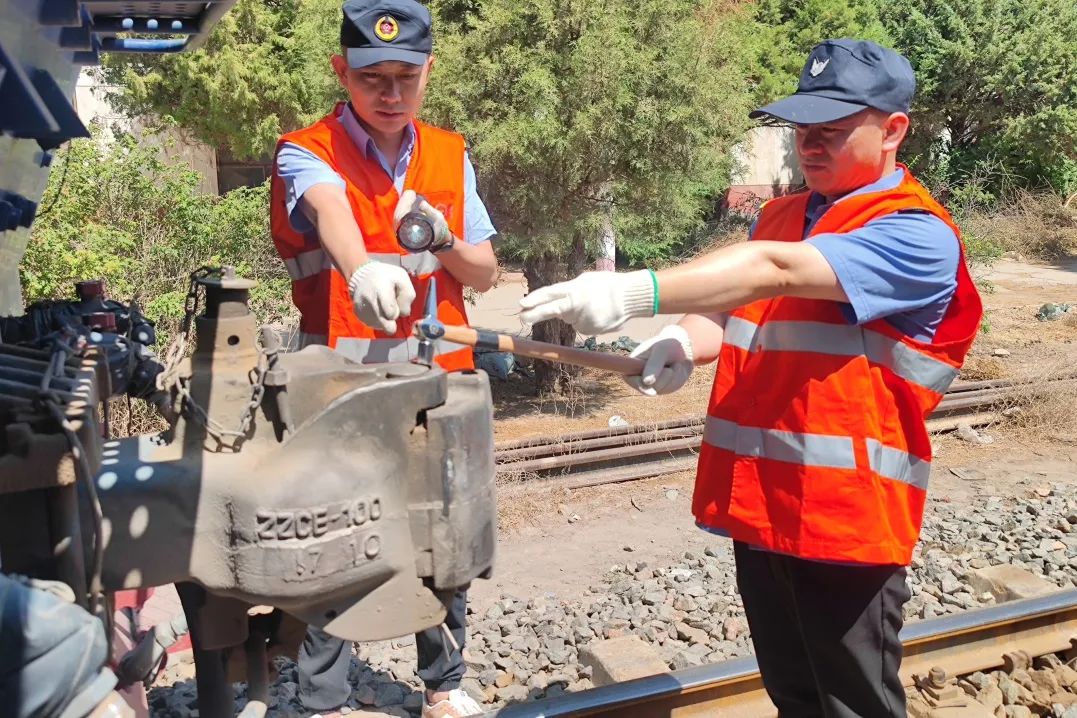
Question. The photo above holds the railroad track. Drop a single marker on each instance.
(604, 456)
(975, 640)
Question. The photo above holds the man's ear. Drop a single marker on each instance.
(895, 128)
(340, 67)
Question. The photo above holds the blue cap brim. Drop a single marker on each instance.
(366, 56)
(807, 109)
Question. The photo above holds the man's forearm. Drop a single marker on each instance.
(705, 332)
(337, 230)
(743, 273)
(474, 265)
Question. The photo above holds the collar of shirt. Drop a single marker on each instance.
(364, 142)
(817, 204)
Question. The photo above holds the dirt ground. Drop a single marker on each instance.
(542, 552)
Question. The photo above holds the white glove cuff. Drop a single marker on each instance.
(639, 294)
(359, 275)
(677, 332)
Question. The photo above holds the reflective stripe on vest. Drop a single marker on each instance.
(841, 340)
(377, 351)
(312, 262)
(307, 264)
(898, 465)
(788, 446)
(739, 333)
(820, 450)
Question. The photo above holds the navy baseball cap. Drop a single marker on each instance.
(843, 77)
(373, 32)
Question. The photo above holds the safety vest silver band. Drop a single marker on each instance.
(841, 340)
(788, 446)
(307, 264)
(314, 261)
(898, 465)
(377, 351)
(820, 450)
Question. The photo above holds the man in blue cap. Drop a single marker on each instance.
(837, 330)
(340, 188)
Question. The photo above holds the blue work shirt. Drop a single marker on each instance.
(300, 169)
(901, 267)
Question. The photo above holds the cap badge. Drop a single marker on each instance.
(817, 67)
(387, 28)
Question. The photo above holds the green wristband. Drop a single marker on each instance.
(654, 281)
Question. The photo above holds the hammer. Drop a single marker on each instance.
(429, 328)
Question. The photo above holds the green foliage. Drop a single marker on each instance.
(789, 29)
(584, 113)
(996, 85)
(981, 248)
(264, 70)
(127, 214)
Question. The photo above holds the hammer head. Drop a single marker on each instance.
(429, 328)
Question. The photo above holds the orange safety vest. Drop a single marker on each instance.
(815, 443)
(320, 291)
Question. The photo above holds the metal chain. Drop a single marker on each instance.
(170, 379)
(215, 428)
(177, 350)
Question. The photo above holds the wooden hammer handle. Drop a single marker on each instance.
(543, 350)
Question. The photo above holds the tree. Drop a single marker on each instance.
(996, 86)
(125, 213)
(587, 116)
(789, 29)
(263, 71)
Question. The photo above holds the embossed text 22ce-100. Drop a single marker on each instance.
(284, 524)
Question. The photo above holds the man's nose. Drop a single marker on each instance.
(810, 144)
(391, 91)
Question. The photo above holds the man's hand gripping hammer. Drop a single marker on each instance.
(429, 329)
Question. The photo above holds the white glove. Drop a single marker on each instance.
(380, 294)
(594, 302)
(442, 235)
(668, 357)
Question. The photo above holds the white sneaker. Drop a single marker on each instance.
(457, 705)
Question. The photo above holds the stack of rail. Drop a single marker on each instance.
(605, 456)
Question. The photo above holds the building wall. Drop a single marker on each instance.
(92, 104)
(766, 168)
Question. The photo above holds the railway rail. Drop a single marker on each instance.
(604, 456)
(975, 640)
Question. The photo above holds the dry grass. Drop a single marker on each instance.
(520, 509)
(133, 417)
(1028, 225)
(982, 368)
(589, 401)
(1035, 412)
(728, 231)
(1038, 415)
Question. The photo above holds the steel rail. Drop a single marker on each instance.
(572, 447)
(677, 436)
(662, 466)
(541, 442)
(961, 643)
(665, 442)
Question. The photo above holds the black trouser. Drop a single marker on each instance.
(825, 635)
(323, 659)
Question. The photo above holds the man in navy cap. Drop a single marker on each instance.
(340, 188)
(837, 330)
